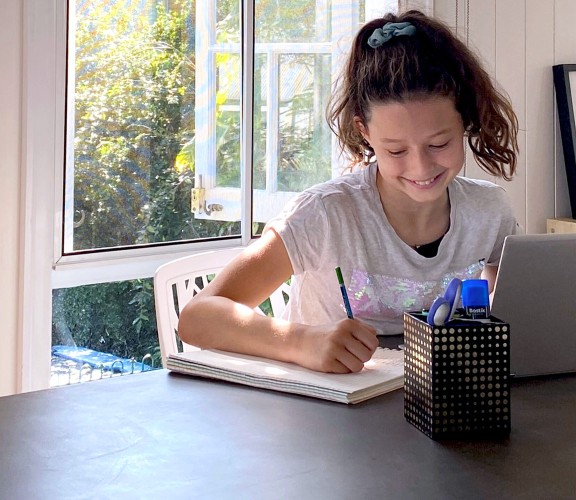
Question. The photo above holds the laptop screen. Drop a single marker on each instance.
(535, 293)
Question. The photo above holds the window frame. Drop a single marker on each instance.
(138, 261)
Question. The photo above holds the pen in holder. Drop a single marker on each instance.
(457, 376)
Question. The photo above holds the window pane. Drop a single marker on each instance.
(304, 139)
(292, 21)
(133, 143)
(228, 121)
(299, 46)
(115, 319)
(292, 143)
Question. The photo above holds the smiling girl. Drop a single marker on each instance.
(400, 226)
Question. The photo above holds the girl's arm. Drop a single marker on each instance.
(222, 317)
(489, 273)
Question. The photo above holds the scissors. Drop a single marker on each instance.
(443, 308)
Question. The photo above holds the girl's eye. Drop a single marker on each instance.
(439, 146)
(397, 153)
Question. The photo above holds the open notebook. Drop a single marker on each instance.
(383, 373)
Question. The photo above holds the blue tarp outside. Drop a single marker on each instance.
(96, 359)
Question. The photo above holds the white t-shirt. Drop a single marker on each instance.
(342, 223)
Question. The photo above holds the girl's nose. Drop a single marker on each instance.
(421, 164)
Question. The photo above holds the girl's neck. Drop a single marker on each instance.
(415, 223)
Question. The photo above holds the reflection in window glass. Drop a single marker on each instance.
(294, 70)
(304, 147)
(260, 121)
(293, 21)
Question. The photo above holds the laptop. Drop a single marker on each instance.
(535, 293)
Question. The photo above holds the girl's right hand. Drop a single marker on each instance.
(341, 347)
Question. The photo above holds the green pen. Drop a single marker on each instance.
(344, 293)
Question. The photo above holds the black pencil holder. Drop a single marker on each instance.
(457, 377)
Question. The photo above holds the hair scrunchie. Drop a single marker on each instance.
(388, 31)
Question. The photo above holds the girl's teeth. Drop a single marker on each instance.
(425, 183)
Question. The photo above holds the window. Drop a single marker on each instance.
(155, 107)
(133, 140)
(181, 125)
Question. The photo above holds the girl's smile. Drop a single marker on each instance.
(428, 183)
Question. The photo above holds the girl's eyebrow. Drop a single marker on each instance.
(434, 135)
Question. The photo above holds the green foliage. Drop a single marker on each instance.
(118, 318)
(134, 130)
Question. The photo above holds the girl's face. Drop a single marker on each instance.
(419, 146)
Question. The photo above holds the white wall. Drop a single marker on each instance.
(519, 41)
(10, 124)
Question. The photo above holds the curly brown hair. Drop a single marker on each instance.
(432, 61)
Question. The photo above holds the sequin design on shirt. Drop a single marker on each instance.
(378, 296)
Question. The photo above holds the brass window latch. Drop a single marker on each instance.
(198, 202)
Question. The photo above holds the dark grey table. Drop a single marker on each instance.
(167, 436)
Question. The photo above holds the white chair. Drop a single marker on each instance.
(177, 281)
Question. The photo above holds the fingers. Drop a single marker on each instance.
(359, 351)
(350, 361)
(342, 347)
(338, 367)
(358, 346)
(366, 335)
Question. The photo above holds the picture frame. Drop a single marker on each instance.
(565, 87)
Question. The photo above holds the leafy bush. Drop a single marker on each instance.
(118, 318)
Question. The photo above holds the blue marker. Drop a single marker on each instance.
(344, 293)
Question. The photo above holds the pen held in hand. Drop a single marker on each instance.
(344, 293)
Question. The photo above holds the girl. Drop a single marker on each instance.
(401, 225)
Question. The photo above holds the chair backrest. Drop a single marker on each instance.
(177, 281)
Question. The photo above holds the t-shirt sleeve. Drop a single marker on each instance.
(304, 228)
(508, 224)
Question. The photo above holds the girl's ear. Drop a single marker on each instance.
(361, 128)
